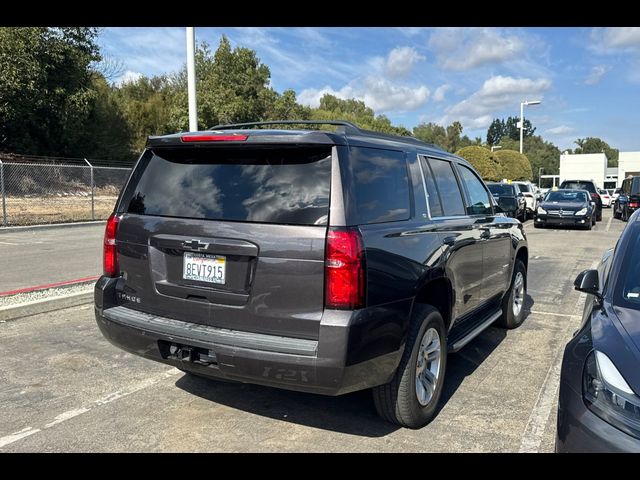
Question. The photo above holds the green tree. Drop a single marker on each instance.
(46, 94)
(146, 105)
(597, 145)
(447, 138)
(483, 160)
(495, 131)
(512, 131)
(541, 154)
(356, 112)
(513, 165)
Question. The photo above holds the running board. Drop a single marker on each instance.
(475, 332)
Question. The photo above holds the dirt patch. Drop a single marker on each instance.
(37, 210)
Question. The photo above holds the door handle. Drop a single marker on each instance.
(485, 234)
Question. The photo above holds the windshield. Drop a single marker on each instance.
(524, 187)
(566, 197)
(497, 189)
(627, 290)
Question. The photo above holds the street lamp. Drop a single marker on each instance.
(191, 79)
(495, 147)
(521, 122)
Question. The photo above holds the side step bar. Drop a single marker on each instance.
(475, 332)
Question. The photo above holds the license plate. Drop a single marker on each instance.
(204, 268)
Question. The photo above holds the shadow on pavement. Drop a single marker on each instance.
(353, 413)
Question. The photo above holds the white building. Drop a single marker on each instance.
(628, 164)
(585, 166)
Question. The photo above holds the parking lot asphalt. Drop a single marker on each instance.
(65, 388)
(39, 256)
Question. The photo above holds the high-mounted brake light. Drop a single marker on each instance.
(213, 138)
(110, 256)
(344, 269)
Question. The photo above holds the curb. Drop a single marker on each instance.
(23, 228)
(12, 312)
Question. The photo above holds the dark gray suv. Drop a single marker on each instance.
(310, 260)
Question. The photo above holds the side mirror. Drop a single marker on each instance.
(588, 281)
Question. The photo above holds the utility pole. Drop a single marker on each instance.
(191, 79)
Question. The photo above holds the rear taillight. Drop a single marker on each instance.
(633, 204)
(110, 257)
(595, 197)
(344, 269)
(213, 138)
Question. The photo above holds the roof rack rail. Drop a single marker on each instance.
(349, 127)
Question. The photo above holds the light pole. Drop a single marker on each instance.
(521, 122)
(191, 79)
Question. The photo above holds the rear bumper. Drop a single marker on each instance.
(332, 365)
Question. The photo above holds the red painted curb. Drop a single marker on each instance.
(48, 285)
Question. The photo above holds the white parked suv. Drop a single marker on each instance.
(529, 193)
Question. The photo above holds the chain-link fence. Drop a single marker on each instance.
(35, 190)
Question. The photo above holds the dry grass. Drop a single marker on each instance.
(36, 210)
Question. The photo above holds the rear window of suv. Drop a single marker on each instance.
(267, 185)
(588, 186)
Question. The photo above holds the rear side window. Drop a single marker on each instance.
(524, 187)
(635, 189)
(381, 185)
(435, 205)
(448, 188)
(267, 185)
(500, 189)
(479, 202)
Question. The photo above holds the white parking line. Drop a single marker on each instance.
(534, 431)
(608, 224)
(69, 414)
(553, 314)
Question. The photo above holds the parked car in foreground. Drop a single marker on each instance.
(318, 261)
(606, 198)
(628, 200)
(510, 199)
(589, 186)
(567, 208)
(599, 400)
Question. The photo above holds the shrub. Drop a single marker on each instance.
(513, 165)
(483, 160)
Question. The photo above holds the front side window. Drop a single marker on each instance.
(479, 202)
(448, 188)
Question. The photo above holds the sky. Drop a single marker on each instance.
(588, 79)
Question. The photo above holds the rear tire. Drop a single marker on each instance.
(513, 302)
(599, 214)
(625, 214)
(410, 399)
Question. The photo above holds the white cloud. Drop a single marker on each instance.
(467, 48)
(596, 74)
(128, 76)
(378, 93)
(560, 130)
(496, 94)
(401, 60)
(438, 95)
(614, 39)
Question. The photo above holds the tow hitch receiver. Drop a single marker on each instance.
(186, 353)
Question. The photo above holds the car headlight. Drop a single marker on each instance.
(582, 212)
(541, 211)
(607, 394)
